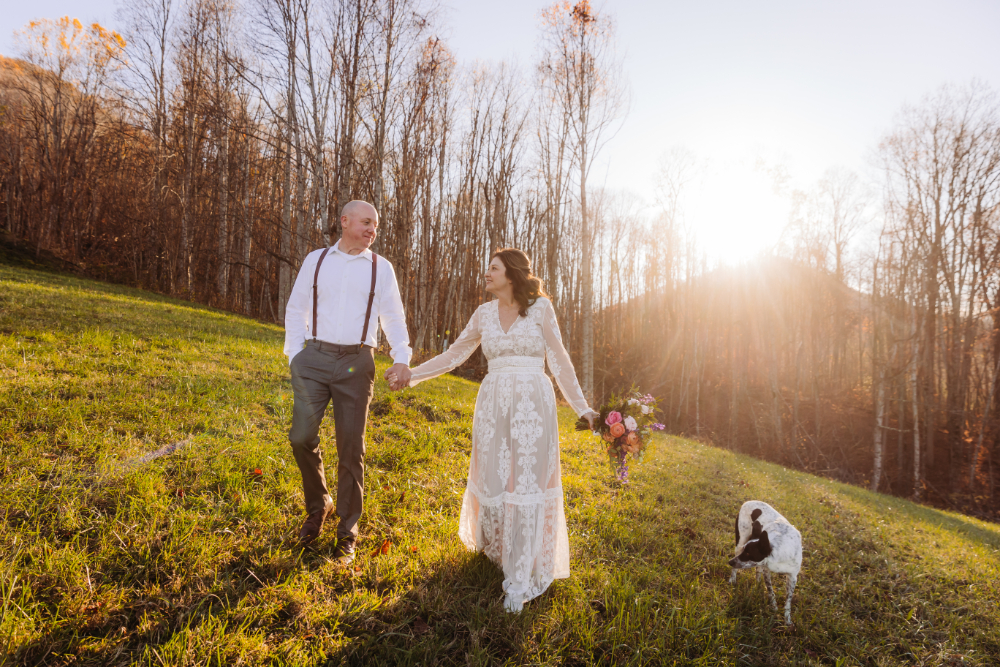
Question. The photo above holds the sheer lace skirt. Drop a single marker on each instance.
(513, 504)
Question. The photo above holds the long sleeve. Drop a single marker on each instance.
(393, 320)
(460, 350)
(560, 364)
(299, 307)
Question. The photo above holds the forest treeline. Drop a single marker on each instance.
(208, 147)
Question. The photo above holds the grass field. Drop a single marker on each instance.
(109, 558)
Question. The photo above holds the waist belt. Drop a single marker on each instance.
(336, 348)
(517, 365)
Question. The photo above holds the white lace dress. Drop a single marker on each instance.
(513, 504)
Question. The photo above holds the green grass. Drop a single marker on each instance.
(190, 559)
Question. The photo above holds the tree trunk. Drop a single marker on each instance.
(879, 430)
(587, 291)
(223, 273)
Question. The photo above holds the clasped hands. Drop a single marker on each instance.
(398, 376)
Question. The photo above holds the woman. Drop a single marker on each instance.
(513, 504)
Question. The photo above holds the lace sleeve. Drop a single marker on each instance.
(560, 363)
(464, 345)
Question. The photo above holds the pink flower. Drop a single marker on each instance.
(613, 418)
(630, 423)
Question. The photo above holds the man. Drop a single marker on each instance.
(330, 348)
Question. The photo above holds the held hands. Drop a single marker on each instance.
(398, 376)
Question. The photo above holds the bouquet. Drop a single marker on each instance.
(626, 424)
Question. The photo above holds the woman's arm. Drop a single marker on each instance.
(459, 351)
(559, 362)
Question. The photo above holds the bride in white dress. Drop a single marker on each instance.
(513, 504)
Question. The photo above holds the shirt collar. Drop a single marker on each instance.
(366, 253)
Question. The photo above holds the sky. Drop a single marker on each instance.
(804, 85)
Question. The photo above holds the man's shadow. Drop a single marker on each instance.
(443, 612)
(152, 620)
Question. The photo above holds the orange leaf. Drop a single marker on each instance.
(413, 549)
(385, 547)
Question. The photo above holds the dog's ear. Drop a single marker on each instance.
(737, 529)
(764, 544)
(755, 514)
(756, 530)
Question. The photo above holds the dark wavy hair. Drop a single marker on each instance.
(527, 287)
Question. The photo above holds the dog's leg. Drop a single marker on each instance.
(770, 588)
(788, 599)
(732, 577)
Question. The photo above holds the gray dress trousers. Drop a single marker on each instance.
(321, 375)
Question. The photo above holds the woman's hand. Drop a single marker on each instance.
(398, 376)
(591, 418)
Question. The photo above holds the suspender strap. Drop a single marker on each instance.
(315, 279)
(371, 298)
(371, 294)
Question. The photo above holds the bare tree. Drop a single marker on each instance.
(579, 54)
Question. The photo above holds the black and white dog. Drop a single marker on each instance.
(767, 541)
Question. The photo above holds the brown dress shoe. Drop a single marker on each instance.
(344, 551)
(312, 526)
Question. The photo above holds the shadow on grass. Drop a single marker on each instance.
(454, 613)
(454, 616)
(100, 635)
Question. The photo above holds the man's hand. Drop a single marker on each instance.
(398, 376)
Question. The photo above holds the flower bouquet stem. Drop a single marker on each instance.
(619, 468)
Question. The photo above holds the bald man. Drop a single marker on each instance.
(341, 295)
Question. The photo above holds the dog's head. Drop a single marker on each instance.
(757, 548)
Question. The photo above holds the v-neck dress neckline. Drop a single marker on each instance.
(500, 323)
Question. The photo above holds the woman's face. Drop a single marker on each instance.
(496, 276)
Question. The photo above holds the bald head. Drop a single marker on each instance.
(359, 225)
(358, 209)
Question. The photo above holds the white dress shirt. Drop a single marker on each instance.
(342, 293)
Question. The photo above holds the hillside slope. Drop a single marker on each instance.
(109, 555)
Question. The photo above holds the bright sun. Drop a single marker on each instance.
(734, 211)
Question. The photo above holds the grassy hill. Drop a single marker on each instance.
(109, 556)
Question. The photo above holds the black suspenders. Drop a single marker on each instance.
(371, 294)
(315, 279)
(371, 298)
